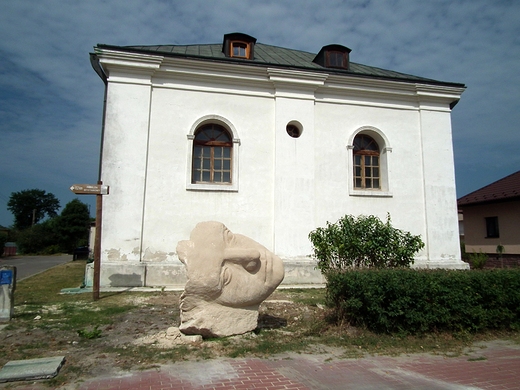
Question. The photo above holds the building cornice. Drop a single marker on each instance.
(184, 73)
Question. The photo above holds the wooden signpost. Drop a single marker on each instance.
(89, 189)
(99, 190)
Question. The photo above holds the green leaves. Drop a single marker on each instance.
(31, 206)
(406, 301)
(364, 241)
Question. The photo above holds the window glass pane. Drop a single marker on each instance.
(375, 172)
(206, 164)
(368, 183)
(217, 177)
(205, 176)
(227, 177)
(227, 165)
(375, 160)
(227, 152)
(358, 171)
(367, 160)
(201, 136)
(218, 152)
(336, 59)
(357, 160)
(239, 49)
(206, 151)
(218, 164)
(223, 137)
(357, 183)
(492, 227)
(376, 183)
(368, 172)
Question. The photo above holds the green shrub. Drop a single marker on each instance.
(406, 301)
(477, 260)
(90, 334)
(364, 241)
(35, 239)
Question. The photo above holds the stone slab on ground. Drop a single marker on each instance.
(30, 369)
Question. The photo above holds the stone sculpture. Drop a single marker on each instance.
(229, 275)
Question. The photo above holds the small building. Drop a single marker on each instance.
(492, 219)
(272, 142)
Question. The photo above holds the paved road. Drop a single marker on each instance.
(31, 265)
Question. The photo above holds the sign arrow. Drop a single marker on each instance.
(89, 189)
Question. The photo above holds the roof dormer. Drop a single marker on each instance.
(238, 45)
(333, 56)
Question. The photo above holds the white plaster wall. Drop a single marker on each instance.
(439, 189)
(172, 211)
(294, 190)
(337, 123)
(123, 170)
(286, 186)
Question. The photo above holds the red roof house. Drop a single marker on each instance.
(492, 218)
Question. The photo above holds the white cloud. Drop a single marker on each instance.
(51, 99)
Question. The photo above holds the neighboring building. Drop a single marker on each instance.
(272, 142)
(492, 218)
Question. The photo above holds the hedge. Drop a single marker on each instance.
(409, 301)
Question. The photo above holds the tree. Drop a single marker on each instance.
(38, 239)
(31, 206)
(72, 226)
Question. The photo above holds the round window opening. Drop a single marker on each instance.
(293, 130)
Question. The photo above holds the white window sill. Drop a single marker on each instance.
(375, 193)
(212, 187)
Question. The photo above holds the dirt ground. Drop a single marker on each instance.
(136, 339)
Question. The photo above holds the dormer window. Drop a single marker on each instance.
(333, 56)
(336, 59)
(238, 45)
(239, 49)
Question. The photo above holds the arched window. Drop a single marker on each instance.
(366, 163)
(212, 155)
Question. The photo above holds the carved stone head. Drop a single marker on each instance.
(229, 275)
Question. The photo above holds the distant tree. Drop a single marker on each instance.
(31, 206)
(72, 226)
(38, 239)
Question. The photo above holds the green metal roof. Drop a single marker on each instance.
(267, 55)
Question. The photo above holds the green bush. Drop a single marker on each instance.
(477, 260)
(35, 239)
(364, 241)
(407, 301)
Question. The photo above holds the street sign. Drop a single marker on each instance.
(89, 189)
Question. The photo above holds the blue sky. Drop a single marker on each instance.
(51, 99)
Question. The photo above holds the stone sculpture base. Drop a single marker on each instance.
(220, 321)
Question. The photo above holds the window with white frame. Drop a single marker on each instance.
(213, 147)
(368, 154)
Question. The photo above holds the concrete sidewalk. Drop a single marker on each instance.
(495, 366)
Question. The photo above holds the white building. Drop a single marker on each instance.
(272, 142)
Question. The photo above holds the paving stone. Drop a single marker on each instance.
(498, 369)
(42, 368)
